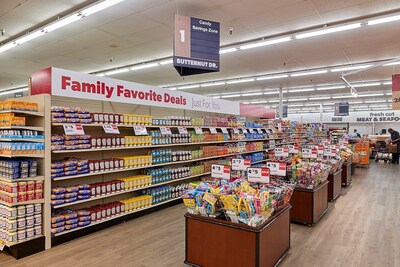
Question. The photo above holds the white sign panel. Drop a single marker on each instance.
(277, 168)
(110, 128)
(85, 86)
(293, 149)
(182, 130)
(165, 131)
(258, 175)
(224, 130)
(140, 130)
(213, 130)
(198, 130)
(310, 153)
(240, 164)
(281, 152)
(73, 129)
(221, 171)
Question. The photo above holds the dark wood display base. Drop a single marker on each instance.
(26, 248)
(85, 231)
(335, 185)
(309, 205)
(346, 175)
(214, 242)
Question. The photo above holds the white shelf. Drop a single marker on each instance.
(32, 128)
(37, 178)
(154, 146)
(36, 140)
(117, 216)
(23, 156)
(23, 112)
(10, 244)
(35, 201)
(128, 191)
(151, 166)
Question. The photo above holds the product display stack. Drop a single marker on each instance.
(22, 180)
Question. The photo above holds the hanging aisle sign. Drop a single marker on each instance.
(65, 83)
(396, 92)
(196, 45)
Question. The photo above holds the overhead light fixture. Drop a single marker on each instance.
(320, 98)
(351, 68)
(100, 6)
(296, 105)
(311, 105)
(18, 90)
(366, 84)
(166, 62)
(230, 96)
(188, 87)
(228, 50)
(271, 77)
(172, 88)
(383, 20)
(374, 101)
(101, 74)
(388, 94)
(387, 83)
(308, 73)
(144, 66)
(271, 93)
(355, 102)
(392, 63)
(217, 96)
(377, 106)
(273, 101)
(301, 90)
(331, 87)
(264, 43)
(328, 104)
(7, 46)
(112, 72)
(370, 95)
(240, 81)
(245, 102)
(342, 97)
(297, 99)
(362, 109)
(62, 22)
(328, 30)
(212, 84)
(252, 94)
(29, 37)
(258, 102)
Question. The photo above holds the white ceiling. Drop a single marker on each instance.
(136, 31)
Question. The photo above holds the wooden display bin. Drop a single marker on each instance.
(309, 205)
(213, 242)
(335, 185)
(346, 175)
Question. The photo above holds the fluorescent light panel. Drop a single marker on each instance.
(144, 66)
(264, 43)
(383, 20)
(331, 87)
(252, 94)
(188, 87)
(212, 84)
(166, 62)
(298, 99)
(230, 96)
(328, 30)
(228, 50)
(301, 90)
(271, 77)
(240, 81)
(320, 98)
(365, 84)
(308, 73)
(351, 68)
(112, 72)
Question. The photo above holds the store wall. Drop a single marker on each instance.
(366, 122)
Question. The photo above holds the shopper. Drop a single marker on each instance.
(395, 139)
(346, 135)
(356, 134)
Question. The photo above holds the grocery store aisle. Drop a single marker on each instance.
(362, 228)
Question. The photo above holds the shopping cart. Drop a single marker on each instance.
(382, 150)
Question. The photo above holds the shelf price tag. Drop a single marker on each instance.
(244, 130)
(198, 130)
(235, 130)
(165, 131)
(259, 130)
(311, 153)
(140, 130)
(224, 130)
(277, 168)
(320, 150)
(293, 149)
(213, 130)
(327, 152)
(221, 171)
(258, 175)
(240, 164)
(73, 129)
(182, 130)
(111, 129)
(272, 143)
(281, 152)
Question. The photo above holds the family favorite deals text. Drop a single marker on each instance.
(119, 91)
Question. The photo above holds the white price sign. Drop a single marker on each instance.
(73, 129)
(198, 130)
(140, 130)
(281, 152)
(320, 150)
(251, 130)
(244, 130)
(327, 152)
(293, 149)
(258, 175)
(213, 130)
(235, 130)
(240, 164)
(221, 171)
(224, 130)
(165, 131)
(277, 168)
(259, 130)
(182, 130)
(310, 153)
(110, 129)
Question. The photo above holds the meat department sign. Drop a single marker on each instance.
(354, 116)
